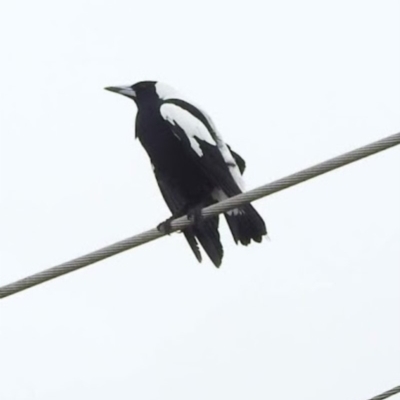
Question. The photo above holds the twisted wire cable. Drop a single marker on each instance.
(183, 222)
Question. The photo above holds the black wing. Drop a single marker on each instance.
(239, 160)
(222, 167)
(204, 145)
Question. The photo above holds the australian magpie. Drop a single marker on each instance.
(193, 166)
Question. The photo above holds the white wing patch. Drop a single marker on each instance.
(229, 161)
(166, 92)
(226, 154)
(194, 129)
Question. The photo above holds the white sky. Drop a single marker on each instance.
(312, 314)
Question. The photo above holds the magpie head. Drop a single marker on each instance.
(145, 92)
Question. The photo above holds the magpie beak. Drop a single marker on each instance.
(124, 90)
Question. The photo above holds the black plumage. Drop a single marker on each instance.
(192, 165)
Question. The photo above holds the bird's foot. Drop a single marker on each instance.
(194, 214)
(165, 227)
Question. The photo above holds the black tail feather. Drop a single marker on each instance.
(246, 225)
(206, 232)
(191, 239)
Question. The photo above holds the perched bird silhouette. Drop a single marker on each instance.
(193, 166)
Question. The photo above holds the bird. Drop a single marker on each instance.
(193, 166)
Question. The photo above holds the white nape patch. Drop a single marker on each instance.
(193, 128)
(166, 92)
(219, 195)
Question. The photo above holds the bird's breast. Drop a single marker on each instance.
(163, 148)
(170, 157)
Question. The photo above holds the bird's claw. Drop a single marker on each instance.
(165, 227)
(194, 214)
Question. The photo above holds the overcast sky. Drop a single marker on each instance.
(313, 314)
